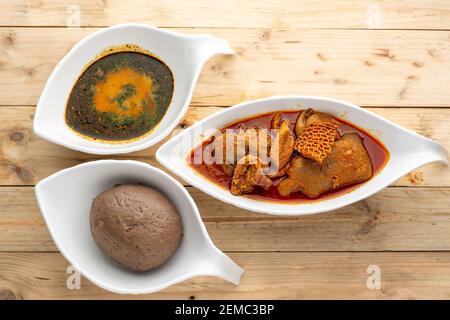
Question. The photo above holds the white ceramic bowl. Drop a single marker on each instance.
(183, 54)
(407, 149)
(65, 200)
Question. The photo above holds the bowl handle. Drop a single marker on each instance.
(440, 154)
(420, 151)
(431, 151)
(218, 264)
(205, 46)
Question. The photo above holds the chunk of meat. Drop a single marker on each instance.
(316, 117)
(248, 174)
(300, 123)
(282, 148)
(228, 168)
(230, 146)
(348, 163)
(316, 140)
(258, 142)
(279, 173)
(308, 117)
(276, 121)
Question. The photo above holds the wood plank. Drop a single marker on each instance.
(397, 219)
(268, 276)
(413, 14)
(25, 159)
(367, 67)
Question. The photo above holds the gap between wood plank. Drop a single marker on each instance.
(277, 251)
(228, 106)
(191, 186)
(229, 28)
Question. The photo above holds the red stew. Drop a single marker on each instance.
(214, 172)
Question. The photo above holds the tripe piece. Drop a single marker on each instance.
(316, 140)
(348, 163)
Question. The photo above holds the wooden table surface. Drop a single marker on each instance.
(391, 57)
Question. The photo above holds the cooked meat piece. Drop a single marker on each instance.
(231, 146)
(278, 174)
(305, 175)
(258, 143)
(248, 174)
(319, 117)
(276, 121)
(348, 163)
(316, 140)
(300, 124)
(282, 148)
(228, 169)
(308, 117)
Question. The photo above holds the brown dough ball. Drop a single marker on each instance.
(136, 226)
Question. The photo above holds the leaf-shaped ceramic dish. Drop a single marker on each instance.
(65, 200)
(183, 54)
(407, 149)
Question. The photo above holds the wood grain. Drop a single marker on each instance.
(367, 67)
(26, 159)
(412, 14)
(392, 57)
(408, 219)
(275, 275)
